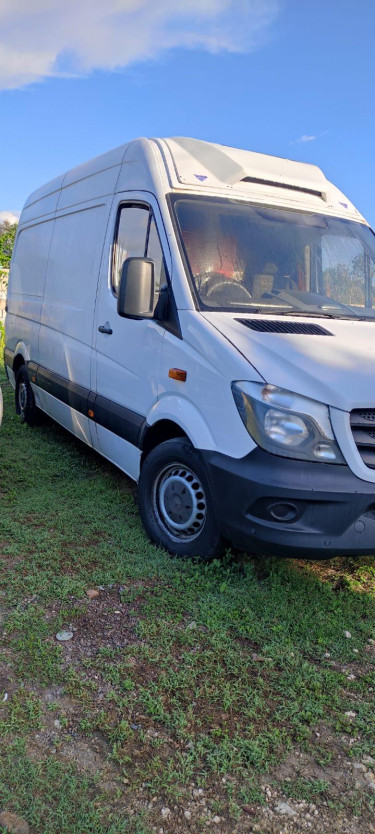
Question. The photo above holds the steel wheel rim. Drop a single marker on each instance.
(22, 397)
(179, 502)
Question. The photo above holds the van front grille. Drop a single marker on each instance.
(362, 421)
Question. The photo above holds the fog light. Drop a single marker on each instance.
(283, 511)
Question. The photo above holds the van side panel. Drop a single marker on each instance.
(100, 184)
(70, 291)
(26, 285)
(43, 209)
(65, 342)
(42, 202)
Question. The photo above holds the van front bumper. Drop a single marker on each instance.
(274, 505)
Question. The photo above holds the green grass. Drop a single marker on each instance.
(308, 789)
(221, 671)
(55, 799)
(21, 716)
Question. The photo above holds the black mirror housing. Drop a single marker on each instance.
(135, 298)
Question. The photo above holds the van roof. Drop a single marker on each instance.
(231, 166)
(188, 164)
(258, 176)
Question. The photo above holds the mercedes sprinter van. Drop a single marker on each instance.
(204, 317)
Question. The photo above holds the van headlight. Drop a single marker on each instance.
(285, 423)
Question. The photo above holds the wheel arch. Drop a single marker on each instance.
(21, 357)
(174, 416)
(159, 432)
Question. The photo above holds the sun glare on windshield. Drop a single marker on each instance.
(243, 257)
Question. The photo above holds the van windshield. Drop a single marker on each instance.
(249, 258)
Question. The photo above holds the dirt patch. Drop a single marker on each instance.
(106, 623)
(339, 781)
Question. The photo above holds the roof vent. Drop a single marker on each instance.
(286, 185)
(299, 327)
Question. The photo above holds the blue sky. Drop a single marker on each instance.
(294, 78)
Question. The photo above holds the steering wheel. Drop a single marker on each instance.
(226, 290)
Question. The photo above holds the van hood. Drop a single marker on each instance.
(337, 369)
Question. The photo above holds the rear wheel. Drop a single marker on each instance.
(175, 501)
(25, 401)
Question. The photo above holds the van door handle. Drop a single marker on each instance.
(105, 328)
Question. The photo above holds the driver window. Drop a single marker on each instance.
(137, 237)
(130, 239)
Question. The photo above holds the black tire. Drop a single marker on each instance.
(175, 501)
(25, 401)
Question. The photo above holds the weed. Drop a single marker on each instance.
(307, 789)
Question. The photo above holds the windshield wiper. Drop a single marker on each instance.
(268, 310)
(319, 315)
(275, 311)
(316, 314)
(308, 314)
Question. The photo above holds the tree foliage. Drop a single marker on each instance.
(7, 236)
(349, 282)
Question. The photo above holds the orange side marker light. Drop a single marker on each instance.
(90, 412)
(177, 373)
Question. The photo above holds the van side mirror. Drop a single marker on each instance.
(136, 290)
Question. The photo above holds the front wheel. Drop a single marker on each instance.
(25, 402)
(175, 501)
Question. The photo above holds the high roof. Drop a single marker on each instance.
(181, 163)
(251, 175)
(230, 166)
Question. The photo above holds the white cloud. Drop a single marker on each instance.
(9, 217)
(45, 38)
(306, 137)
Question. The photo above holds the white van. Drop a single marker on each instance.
(204, 317)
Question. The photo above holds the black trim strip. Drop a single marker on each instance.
(32, 368)
(68, 392)
(112, 416)
(122, 421)
(9, 358)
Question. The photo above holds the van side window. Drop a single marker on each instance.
(137, 237)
